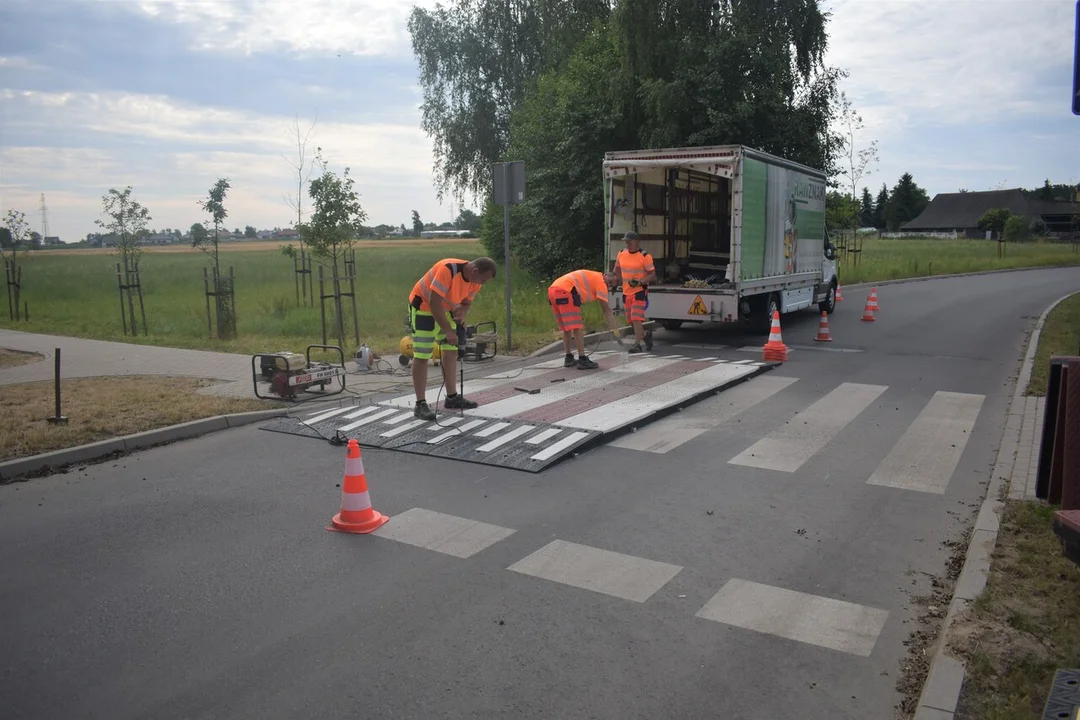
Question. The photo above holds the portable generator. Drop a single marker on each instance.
(286, 374)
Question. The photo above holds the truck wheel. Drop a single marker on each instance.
(829, 304)
(671, 324)
(766, 307)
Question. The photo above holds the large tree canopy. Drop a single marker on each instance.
(556, 83)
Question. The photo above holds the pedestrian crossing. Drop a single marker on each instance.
(839, 625)
(923, 458)
(530, 418)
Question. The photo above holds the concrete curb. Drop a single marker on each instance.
(944, 682)
(83, 453)
(557, 345)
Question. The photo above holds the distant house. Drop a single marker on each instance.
(960, 212)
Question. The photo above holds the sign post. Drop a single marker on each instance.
(508, 180)
(1076, 64)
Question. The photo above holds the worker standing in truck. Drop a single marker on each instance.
(444, 294)
(635, 270)
(567, 295)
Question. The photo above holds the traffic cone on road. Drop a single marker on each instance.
(357, 515)
(873, 301)
(868, 312)
(775, 350)
(839, 295)
(823, 329)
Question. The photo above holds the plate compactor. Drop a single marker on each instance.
(286, 375)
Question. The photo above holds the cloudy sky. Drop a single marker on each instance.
(168, 95)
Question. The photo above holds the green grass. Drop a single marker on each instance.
(1025, 625)
(74, 293)
(895, 259)
(1060, 336)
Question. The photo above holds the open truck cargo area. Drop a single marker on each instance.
(734, 233)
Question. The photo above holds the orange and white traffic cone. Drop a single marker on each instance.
(868, 312)
(823, 329)
(775, 350)
(873, 301)
(839, 295)
(357, 515)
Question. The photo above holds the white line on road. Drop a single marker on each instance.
(447, 534)
(602, 571)
(665, 435)
(926, 456)
(799, 439)
(812, 619)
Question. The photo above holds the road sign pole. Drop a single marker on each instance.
(506, 249)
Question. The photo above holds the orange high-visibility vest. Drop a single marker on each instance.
(589, 284)
(446, 279)
(634, 266)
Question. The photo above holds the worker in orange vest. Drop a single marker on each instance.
(444, 294)
(567, 295)
(635, 269)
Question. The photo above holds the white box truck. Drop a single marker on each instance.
(734, 232)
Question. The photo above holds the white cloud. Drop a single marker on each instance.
(953, 61)
(173, 152)
(356, 27)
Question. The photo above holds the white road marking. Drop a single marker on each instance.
(472, 424)
(812, 619)
(792, 444)
(403, 429)
(368, 419)
(447, 534)
(522, 402)
(398, 418)
(489, 431)
(668, 433)
(543, 435)
(624, 411)
(361, 412)
(555, 448)
(602, 571)
(926, 456)
(319, 417)
(505, 438)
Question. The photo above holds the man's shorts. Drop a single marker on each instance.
(426, 333)
(567, 309)
(634, 306)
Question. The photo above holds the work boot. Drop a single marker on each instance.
(569, 360)
(648, 339)
(635, 349)
(584, 363)
(422, 411)
(458, 402)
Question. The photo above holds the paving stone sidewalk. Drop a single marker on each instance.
(81, 357)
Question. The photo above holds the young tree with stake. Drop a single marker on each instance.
(223, 287)
(335, 221)
(128, 221)
(14, 238)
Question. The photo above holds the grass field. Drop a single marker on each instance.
(1060, 336)
(73, 292)
(894, 259)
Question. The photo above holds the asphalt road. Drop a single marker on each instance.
(198, 580)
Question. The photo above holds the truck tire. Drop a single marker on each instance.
(671, 324)
(765, 308)
(828, 305)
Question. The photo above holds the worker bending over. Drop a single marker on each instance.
(445, 293)
(635, 269)
(567, 295)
